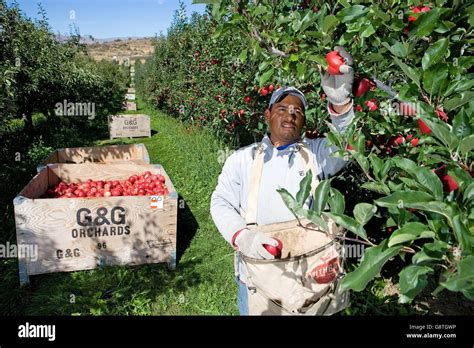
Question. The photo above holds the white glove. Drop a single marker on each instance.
(338, 88)
(250, 243)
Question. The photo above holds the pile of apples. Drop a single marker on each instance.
(145, 184)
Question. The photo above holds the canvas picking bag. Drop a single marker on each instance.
(306, 279)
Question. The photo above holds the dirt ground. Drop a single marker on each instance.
(445, 303)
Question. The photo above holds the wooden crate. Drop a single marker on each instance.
(136, 153)
(129, 126)
(130, 106)
(125, 230)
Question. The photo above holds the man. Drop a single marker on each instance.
(282, 168)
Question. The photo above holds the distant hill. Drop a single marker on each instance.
(120, 48)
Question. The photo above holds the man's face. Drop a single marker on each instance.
(286, 120)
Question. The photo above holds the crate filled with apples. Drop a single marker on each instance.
(144, 184)
(85, 216)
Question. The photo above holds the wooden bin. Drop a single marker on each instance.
(73, 234)
(136, 153)
(129, 126)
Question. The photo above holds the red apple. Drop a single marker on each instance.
(275, 251)
(361, 87)
(418, 9)
(442, 115)
(423, 127)
(397, 140)
(334, 61)
(372, 105)
(449, 184)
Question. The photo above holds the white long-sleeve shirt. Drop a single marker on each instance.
(281, 169)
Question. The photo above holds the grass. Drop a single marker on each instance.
(203, 282)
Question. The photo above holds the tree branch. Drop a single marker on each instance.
(270, 48)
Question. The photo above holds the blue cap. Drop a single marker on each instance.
(280, 93)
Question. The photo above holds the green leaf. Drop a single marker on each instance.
(463, 235)
(348, 223)
(406, 164)
(363, 212)
(404, 199)
(318, 59)
(266, 76)
(243, 55)
(377, 164)
(463, 280)
(263, 65)
(362, 160)
(424, 176)
(442, 132)
(300, 71)
(376, 187)
(296, 25)
(350, 13)
(431, 252)
(459, 86)
(289, 200)
(399, 49)
(435, 79)
(360, 145)
(409, 71)
(336, 201)
(469, 193)
(413, 279)
(410, 232)
(466, 145)
(385, 168)
(305, 188)
(455, 102)
(321, 196)
(372, 262)
(415, 199)
(307, 21)
(410, 183)
(368, 31)
(435, 53)
(461, 125)
(329, 23)
(314, 217)
(426, 23)
(260, 10)
(334, 135)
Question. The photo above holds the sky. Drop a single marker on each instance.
(108, 18)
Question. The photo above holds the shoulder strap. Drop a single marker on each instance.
(256, 175)
(308, 158)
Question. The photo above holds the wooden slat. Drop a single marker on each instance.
(53, 224)
(99, 154)
(37, 186)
